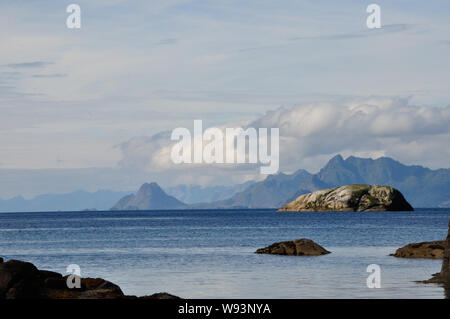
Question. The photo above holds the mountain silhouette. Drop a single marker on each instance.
(149, 197)
(421, 186)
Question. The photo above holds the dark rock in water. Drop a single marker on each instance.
(50, 279)
(432, 249)
(22, 280)
(18, 280)
(445, 271)
(91, 288)
(46, 274)
(353, 197)
(297, 247)
(1, 260)
(159, 295)
(444, 276)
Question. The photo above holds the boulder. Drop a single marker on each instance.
(297, 247)
(18, 280)
(160, 295)
(353, 197)
(91, 288)
(444, 276)
(22, 280)
(432, 249)
(51, 280)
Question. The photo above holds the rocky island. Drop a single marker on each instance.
(297, 247)
(353, 198)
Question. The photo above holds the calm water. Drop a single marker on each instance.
(209, 254)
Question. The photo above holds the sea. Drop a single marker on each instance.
(210, 253)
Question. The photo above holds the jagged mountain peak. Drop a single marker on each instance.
(422, 187)
(150, 188)
(149, 196)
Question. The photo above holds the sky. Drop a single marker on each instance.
(93, 108)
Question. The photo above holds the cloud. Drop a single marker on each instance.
(364, 33)
(29, 65)
(54, 75)
(374, 125)
(311, 133)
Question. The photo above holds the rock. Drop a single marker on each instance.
(432, 249)
(297, 247)
(1, 260)
(22, 280)
(160, 295)
(353, 197)
(444, 276)
(50, 279)
(91, 288)
(445, 270)
(18, 280)
(46, 274)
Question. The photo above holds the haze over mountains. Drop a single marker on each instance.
(150, 196)
(78, 200)
(421, 186)
(269, 193)
(191, 194)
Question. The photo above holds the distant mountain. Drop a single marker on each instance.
(272, 192)
(78, 200)
(191, 194)
(150, 196)
(421, 186)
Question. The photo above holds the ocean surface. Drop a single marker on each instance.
(210, 254)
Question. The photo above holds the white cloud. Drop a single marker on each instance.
(373, 125)
(311, 133)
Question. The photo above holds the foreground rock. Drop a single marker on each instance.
(297, 247)
(444, 276)
(431, 249)
(354, 197)
(22, 280)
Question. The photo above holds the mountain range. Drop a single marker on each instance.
(421, 186)
(105, 199)
(77, 200)
(191, 194)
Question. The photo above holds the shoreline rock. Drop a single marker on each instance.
(22, 280)
(350, 198)
(297, 247)
(443, 277)
(431, 249)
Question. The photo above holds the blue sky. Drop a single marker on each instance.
(78, 99)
